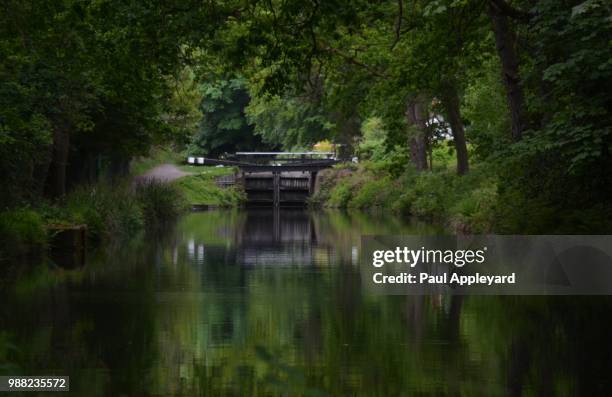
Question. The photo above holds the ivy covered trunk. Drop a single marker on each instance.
(504, 42)
(416, 118)
(450, 100)
(55, 185)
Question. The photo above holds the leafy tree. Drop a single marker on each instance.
(288, 122)
(345, 47)
(571, 75)
(372, 144)
(84, 83)
(224, 127)
(182, 111)
(87, 84)
(487, 127)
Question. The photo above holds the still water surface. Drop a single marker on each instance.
(263, 303)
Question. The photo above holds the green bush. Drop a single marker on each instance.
(430, 194)
(466, 203)
(327, 180)
(22, 232)
(375, 193)
(444, 156)
(108, 210)
(516, 213)
(372, 144)
(340, 194)
(393, 163)
(159, 201)
(475, 211)
(118, 210)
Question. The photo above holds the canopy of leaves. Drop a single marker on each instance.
(224, 127)
(92, 75)
(104, 75)
(288, 122)
(571, 76)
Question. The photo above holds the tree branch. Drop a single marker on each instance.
(398, 24)
(372, 70)
(509, 11)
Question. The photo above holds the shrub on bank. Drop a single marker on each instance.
(474, 212)
(341, 194)
(335, 185)
(464, 203)
(22, 232)
(159, 202)
(118, 210)
(427, 196)
(110, 211)
(375, 193)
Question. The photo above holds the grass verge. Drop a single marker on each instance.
(201, 188)
(111, 211)
(462, 203)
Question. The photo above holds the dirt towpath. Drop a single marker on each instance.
(162, 173)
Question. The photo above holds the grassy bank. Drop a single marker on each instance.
(198, 188)
(22, 233)
(201, 187)
(111, 211)
(479, 202)
(462, 204)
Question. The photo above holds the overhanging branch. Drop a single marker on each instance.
(398, 24)
(370, 69)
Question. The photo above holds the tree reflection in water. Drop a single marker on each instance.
(267, 303)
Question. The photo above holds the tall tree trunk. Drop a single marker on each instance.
(350, 127)
(416, 117)
(504, 42)
(41, 170)
(450, 100)
(55, 185)
(119, 166)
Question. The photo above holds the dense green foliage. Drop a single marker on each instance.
(520, 89)
(159, 202)
(22, 232)
(288, 122)
(224, 127)
(84, 85)
(118, 210)
(238, 116)
(572, 57)
(111, 212)
(515, 90)
(468, 204)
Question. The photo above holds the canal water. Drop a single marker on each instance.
(264, 303)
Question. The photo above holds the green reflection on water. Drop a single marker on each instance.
(261, 303)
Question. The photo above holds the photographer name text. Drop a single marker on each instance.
(422, 256)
